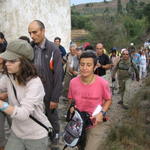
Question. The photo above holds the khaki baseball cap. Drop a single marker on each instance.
(18, 48)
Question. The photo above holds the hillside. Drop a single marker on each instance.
(99, 7)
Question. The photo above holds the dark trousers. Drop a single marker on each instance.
(3, 116)
(52, 116)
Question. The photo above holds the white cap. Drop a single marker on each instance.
(122, 50)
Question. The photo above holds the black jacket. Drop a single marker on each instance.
(51, 78)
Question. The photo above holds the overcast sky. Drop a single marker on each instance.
(75, 2)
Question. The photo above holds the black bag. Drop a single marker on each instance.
(74, 132)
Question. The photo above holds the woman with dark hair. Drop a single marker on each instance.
(3, 42)
(25, 93)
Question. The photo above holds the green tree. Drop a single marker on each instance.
(131, 6)
(79, 21)
(119, 7)
(146, 12)
(135, 28)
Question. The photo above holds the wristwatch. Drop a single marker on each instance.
(5, 106)
(103, 113)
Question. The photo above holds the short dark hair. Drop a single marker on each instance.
(25, 38)
(89, 47)
(2, 35)
(40, 23)
(57, 38)
(89, 54)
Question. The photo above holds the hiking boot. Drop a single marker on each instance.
(120, 102)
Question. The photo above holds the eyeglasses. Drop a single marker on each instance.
(125, 54)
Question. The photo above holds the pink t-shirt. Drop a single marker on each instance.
(88, 97)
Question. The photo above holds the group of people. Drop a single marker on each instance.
(35, 74)
(31, 80)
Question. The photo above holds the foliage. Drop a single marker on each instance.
(130, 24)
(134, 132)
(119, 7)
(135, 28)
(135, 9)
(146, 12)
(79, 21)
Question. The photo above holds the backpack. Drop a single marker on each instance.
(74, 132)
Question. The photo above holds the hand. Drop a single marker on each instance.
(75, 73)
(53, 105)
(1, 103)
(97, 119)
(98, 65)
(111, 65)
(3, 96)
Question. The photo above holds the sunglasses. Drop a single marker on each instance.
(125, 54)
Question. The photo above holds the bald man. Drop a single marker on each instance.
(103, 62)
(48, 62)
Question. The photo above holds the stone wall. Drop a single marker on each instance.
(15, 16)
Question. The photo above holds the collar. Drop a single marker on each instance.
(42, 45)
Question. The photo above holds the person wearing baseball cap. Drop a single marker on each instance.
(25, 93)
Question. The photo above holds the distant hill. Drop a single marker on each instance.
(99, 7)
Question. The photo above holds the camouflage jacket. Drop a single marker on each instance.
(125, 69)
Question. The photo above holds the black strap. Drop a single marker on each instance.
(65, 147)
(33, 118)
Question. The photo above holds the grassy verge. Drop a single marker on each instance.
(133, 133)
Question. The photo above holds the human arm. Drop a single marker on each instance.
(31, 98)
(74, 66)
(63, 51)
(72, 71)
(136, 71)
(3, 96)
(107, 64)
(114, 71)
(99, 117)
(57, 78)
(106, 103)
(7, 109)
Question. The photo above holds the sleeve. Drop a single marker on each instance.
(106, 91)
(115, 69)
(70, 96)
(71, 63)
(63, 52)
(3, 83)
(33, 97)
(58, 75)
(107, 60)
(136, 70)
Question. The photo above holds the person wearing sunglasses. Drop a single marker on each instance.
(125, 68)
